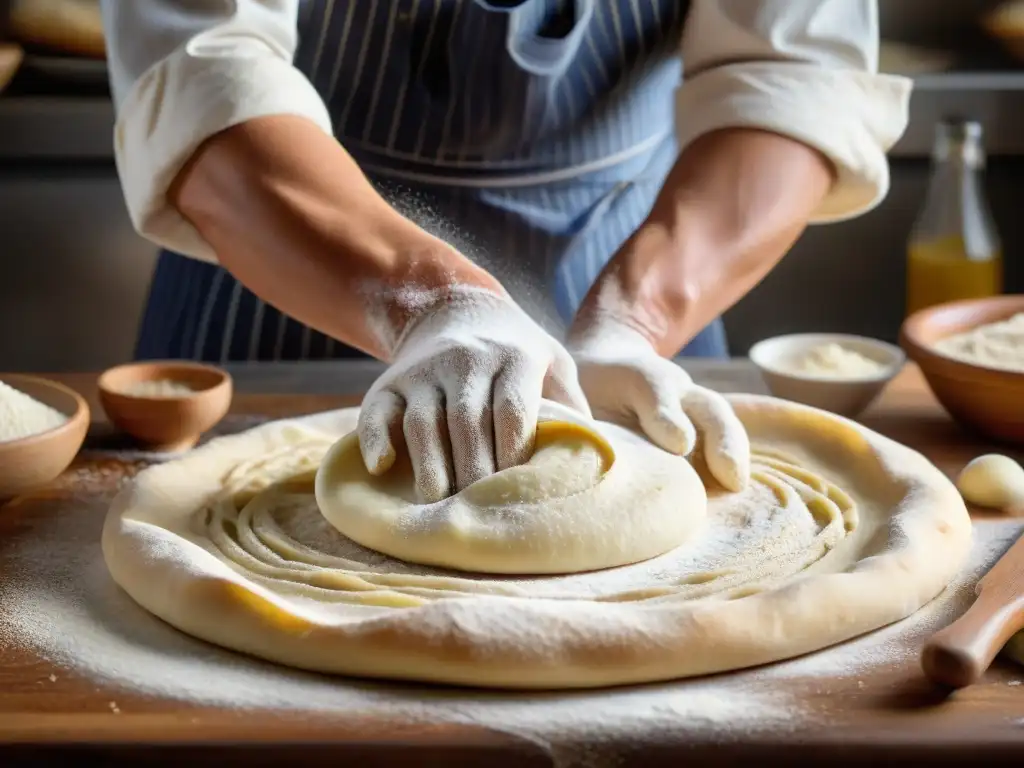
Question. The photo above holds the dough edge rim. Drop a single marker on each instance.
(928, 543)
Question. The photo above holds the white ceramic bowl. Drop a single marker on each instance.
(778, 357)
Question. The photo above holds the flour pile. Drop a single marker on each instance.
(997, 345)
(160, 388)
(23, 416)
(835, 361)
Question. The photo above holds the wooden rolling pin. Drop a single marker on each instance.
(959, 654)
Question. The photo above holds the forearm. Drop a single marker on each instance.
(289, 213)
(732, 206)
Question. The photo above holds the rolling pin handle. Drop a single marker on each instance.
(958, 655)
(950, 666)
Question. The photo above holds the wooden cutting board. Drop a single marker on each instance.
(886, 710)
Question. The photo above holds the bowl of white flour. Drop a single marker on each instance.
(836, 372)
(42, 427)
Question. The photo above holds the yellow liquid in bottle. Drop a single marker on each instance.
(939, 271)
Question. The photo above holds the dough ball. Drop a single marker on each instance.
(992, 481)
(592, 496)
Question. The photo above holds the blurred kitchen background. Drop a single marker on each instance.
(74, 275)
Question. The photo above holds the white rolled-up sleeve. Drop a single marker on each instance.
(182, 71)
(805, 69)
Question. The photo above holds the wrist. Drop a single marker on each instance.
(654, 285)
(733, 204)
(425, 287)
(599, 334)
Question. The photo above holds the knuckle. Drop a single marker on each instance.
(467, 407)
(462, 359)
(514, 356)
(707, 404)
(676, 418)
(422, 375)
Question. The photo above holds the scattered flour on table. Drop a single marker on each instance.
(121, 448)
(59, 601)
(901, 642)
(24, 416)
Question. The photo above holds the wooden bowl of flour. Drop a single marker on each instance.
(42, 427)
(985, 396)
(166, 405)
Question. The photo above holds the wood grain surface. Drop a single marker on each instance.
(891, 714)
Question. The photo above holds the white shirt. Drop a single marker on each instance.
(184, 70)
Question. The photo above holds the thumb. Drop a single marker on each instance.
(726, 443)
(661, 417)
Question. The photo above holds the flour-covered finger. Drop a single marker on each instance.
(426, 438)
(563, 385)
(726, 443)
(379, 416)
(517, 396)
(471, 427)
(661, 415)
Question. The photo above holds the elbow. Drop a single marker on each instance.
(804, 69)
(179, 104)
(852, 118)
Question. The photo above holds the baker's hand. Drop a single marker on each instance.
(624, 377)
(464, 388)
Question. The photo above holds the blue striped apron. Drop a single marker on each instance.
(534, 135)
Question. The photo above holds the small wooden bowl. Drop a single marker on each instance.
(986, 400)
(165, 422)
(31, 462)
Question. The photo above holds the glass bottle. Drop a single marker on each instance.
(954, 251)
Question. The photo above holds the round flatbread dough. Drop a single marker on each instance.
(592, 496)
(993, 481)
(839, 532)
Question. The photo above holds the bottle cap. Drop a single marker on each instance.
(959, 138)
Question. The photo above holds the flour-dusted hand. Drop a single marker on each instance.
(464, 388)
(624, 377)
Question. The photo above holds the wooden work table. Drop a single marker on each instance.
(889, 713)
